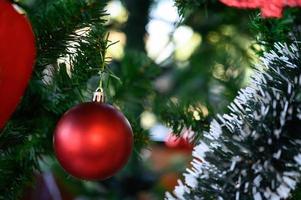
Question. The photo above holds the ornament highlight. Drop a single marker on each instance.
(269, 8)
(17, 50)
(93, 141)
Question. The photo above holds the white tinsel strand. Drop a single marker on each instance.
(245, 155)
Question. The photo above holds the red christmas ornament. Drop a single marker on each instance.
(93, 141)
(180, 143)
(269, 8)
(17, 50)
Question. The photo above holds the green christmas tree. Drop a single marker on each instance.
(253, 152)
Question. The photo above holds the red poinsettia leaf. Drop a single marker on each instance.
(242, 3)
(269, 8)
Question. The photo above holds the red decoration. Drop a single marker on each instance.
(180, 143)
(93, 141)
(269, 8)
(17, 50)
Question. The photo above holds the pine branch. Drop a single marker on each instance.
(54, 87)
(186, 5)
(269, 31)
(180, 116)
(55, 24)
(253, 152)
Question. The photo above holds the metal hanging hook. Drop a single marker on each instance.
(99, 95)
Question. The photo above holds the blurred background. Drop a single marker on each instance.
(195, 60)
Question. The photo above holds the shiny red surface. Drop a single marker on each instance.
(93, 141)
(17, 54)
(179, 143)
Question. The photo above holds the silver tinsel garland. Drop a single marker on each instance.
(254, 152)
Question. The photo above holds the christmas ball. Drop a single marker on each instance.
(93, 141)
(17, 55)
(182, 143)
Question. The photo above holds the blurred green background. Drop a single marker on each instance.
(178, 68)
